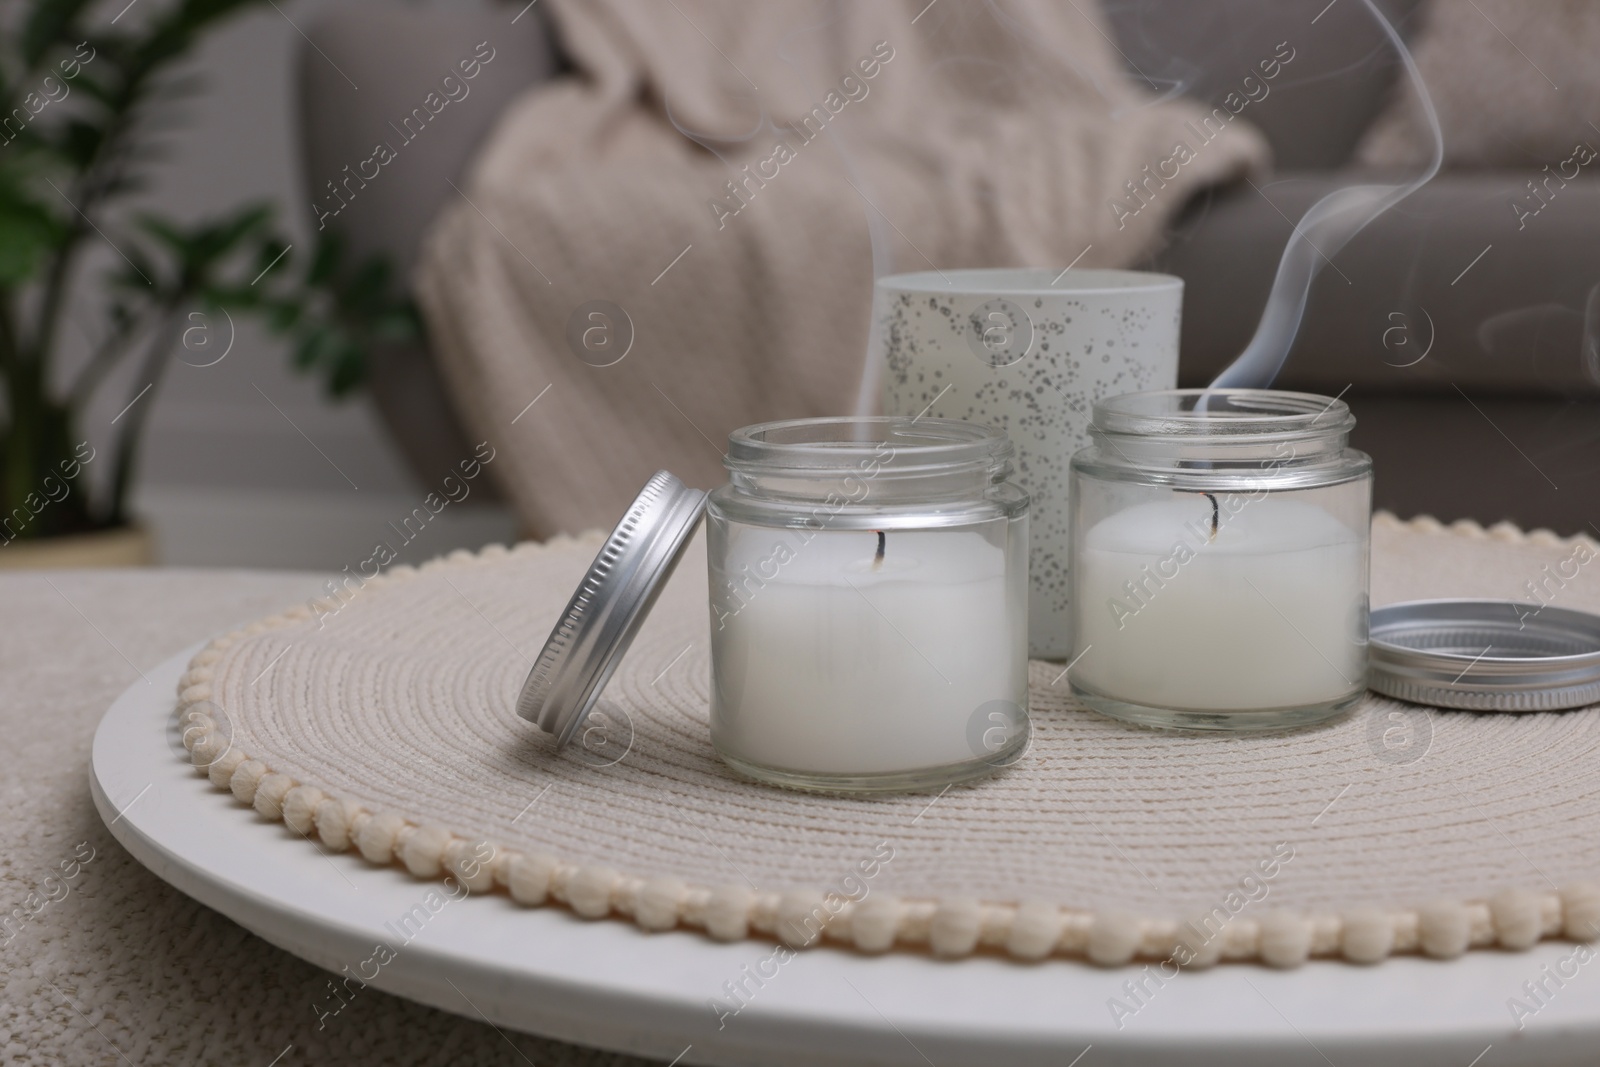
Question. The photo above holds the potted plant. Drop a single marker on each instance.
(79, 112)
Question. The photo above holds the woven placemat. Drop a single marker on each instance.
(382, 718)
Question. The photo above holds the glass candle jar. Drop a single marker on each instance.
(1220, 541)
(869, 599)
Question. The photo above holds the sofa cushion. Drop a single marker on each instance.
(1515, 84)
(1315, 113)
(1463, 284)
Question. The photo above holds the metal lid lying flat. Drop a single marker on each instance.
(1486, 655)
(610, 605)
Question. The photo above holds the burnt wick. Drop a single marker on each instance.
(1216, 513)
(877, 558)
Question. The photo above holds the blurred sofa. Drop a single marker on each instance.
(1466, 347)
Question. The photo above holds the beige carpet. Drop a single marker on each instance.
(112, 971)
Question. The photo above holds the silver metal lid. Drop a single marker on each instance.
(610, 605)
(1486, 655)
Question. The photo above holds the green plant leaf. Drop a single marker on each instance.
(48, 25)
(226, 234)
(273, 259)
(317, 346)
(94, 87)
(167, 233)
(28, 233)
(349, 370)
(325, 261)
(283, 316)
(78, 141)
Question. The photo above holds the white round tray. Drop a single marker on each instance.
(611, 985)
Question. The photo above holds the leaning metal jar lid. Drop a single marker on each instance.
(604, 615)
(1486, 655)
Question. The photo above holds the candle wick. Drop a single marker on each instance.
(1216, 513)
(877, 559)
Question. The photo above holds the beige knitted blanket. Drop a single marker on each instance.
(383, 721)
(679, 237)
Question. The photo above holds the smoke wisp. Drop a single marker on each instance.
(1325, 229)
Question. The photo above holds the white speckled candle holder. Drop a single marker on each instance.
(1028, 351)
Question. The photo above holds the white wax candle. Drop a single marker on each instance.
(1268, 614)
(826, 664)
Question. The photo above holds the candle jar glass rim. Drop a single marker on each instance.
(871, 463)
(890, 471)
(1224, 438)
(833, 442)
(1223, 415)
